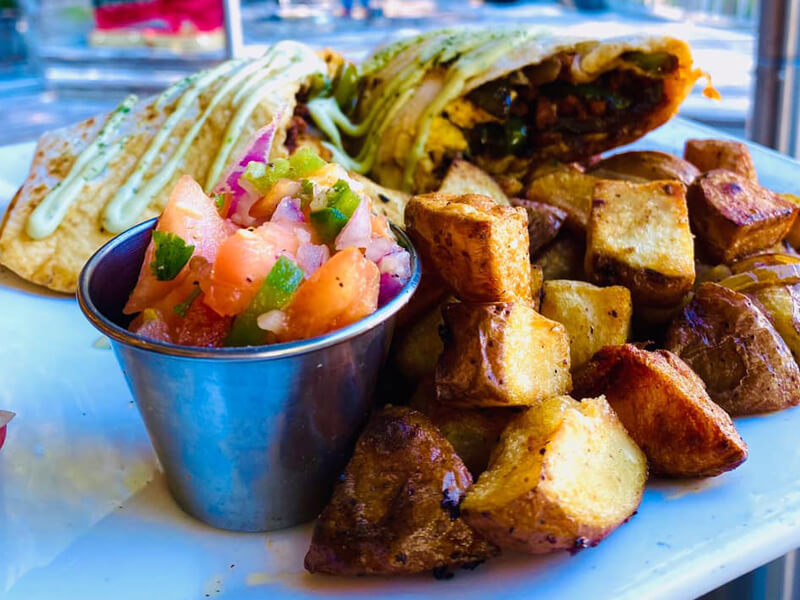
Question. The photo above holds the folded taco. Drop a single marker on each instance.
(505, 99)
(95, 179)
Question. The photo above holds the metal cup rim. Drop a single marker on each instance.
(246, 353)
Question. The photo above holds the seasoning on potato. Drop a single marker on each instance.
(593, 316)
(666, 410)
(564, 475)
(501, 355)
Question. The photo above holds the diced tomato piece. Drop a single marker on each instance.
(151, 325)
(202, 327)
(340, 292)
(193, 216)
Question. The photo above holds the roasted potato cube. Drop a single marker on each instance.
(465, 178)
(395, 509)
(593, 316)
(563, 258)
(708, 155)
(732, 346)
(639, 237)
(564, 475)
(537, 281)
(544, 222)
(431, 292)
(419, 346)
(666, 410)
(385, 201)
(570, 190)
(645, 165)
(473, 432)
(479, 248)
(501, 355)
(733, 217)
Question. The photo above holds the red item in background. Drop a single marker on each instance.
(5, 417)
(164, 16)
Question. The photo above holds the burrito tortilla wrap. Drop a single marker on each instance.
(94, 179)
(504, 99)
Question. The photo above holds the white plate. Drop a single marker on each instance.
(84, 512)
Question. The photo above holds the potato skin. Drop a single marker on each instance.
(593, 316)
(395, 509)
(544, 222)
(733, 217)
(563, 258)
(666, 410)
(746, 366)
(708, 155)
(501, 355)
(479, 248)
(645, 165)
(527, 499)
(639, 237)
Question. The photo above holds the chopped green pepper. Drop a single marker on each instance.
(274, 294)
(657, 63)
(328, 222)
(263, 176)
(306, 193)
(304, 162)
(342, 198)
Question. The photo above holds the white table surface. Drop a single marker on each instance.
(84, 511)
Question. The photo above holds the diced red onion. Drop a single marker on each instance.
(358, 231)
(311, 257)
(273, 320)
(379, 247)
(242, 195)
(390, 286)
(288, 211)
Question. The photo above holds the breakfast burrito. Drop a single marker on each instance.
(97, 178)
(504, 99)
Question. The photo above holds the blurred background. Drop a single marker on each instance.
(64, 60)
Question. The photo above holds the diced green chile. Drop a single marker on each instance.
(265, 175)
(328, 222)
(657, 63)
(275, 293)
(493, 97)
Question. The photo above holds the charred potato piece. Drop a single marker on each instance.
(732, 346)
(639, 237)
(479, 248)
(708, 155)
(645, 165)
(566, 188)
(385, 201)
(420, 345)
(666, 410)
(733, 217)
(593, 316)
(501, 355)
(395, 509)
(563, 258)
(473, 432)
(537, 281)
(564, 475)
(465, 178)
(544, 222)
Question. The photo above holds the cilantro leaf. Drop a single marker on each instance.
(172, 253)
(182, 308)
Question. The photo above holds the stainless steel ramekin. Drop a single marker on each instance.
(250, 439)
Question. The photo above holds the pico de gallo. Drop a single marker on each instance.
(279, 251)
